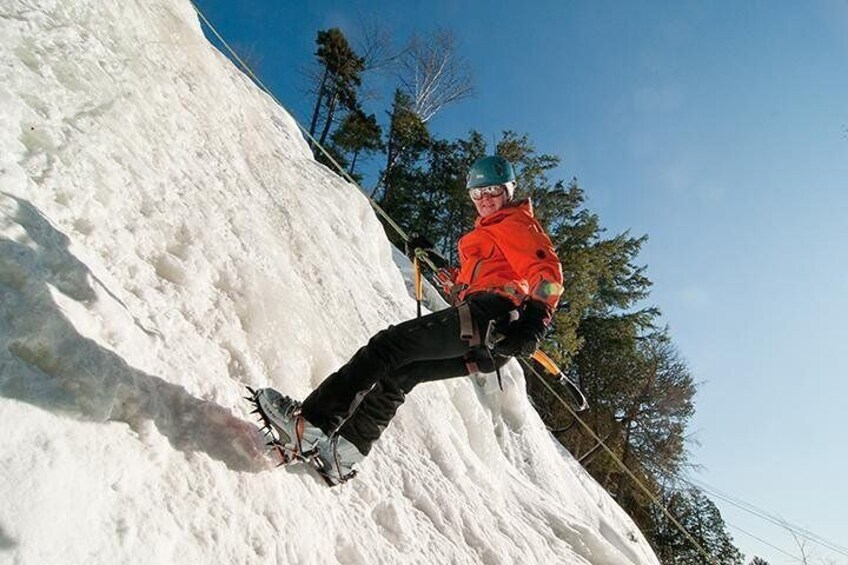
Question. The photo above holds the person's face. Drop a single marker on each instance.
(488, 200)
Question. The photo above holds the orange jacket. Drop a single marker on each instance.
(510, 254)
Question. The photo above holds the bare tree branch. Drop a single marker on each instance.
(376, 46)
(433, 74)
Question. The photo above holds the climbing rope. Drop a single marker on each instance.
(422, 255)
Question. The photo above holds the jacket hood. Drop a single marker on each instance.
(515, 206)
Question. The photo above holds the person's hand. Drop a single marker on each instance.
(523, 336)
(434, 258)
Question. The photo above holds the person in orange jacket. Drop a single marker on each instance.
(508, 283)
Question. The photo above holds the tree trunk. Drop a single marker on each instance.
(331, 110)
(353, 163)
(390, 157)
(317, 110)
(624, 457)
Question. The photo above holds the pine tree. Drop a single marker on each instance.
(444, 212)
(703, 521)
(358, 134)
(407, 139)
(657, 407)
(339, 80)
(531, 171)
(444, 171)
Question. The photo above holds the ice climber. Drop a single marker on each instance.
(509, 274)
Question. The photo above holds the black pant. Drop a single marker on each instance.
(359, 400)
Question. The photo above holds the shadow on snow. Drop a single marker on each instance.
(44, 360)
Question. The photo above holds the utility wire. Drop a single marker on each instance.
(769, 517)
(774, 547)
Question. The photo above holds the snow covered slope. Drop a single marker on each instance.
(165, 240)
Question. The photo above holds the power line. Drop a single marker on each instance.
(776, 520)
(783, 551)
(769, 517)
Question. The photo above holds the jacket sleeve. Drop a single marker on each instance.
(531, 255)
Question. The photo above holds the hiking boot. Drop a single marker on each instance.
(333, 457)
(296, 437)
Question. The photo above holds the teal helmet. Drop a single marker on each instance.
(489, 171)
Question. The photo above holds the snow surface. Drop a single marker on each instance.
(167, 239)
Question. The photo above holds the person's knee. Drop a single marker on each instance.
(393, 334)
(382, 344)
(403, 382)
(378, 338)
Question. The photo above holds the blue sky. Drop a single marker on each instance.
(720, 130)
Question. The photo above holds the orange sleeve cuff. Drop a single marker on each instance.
(548, 292)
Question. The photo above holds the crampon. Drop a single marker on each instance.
(284, 438)
(294, 439)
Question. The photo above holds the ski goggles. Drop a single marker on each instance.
(481, 191)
